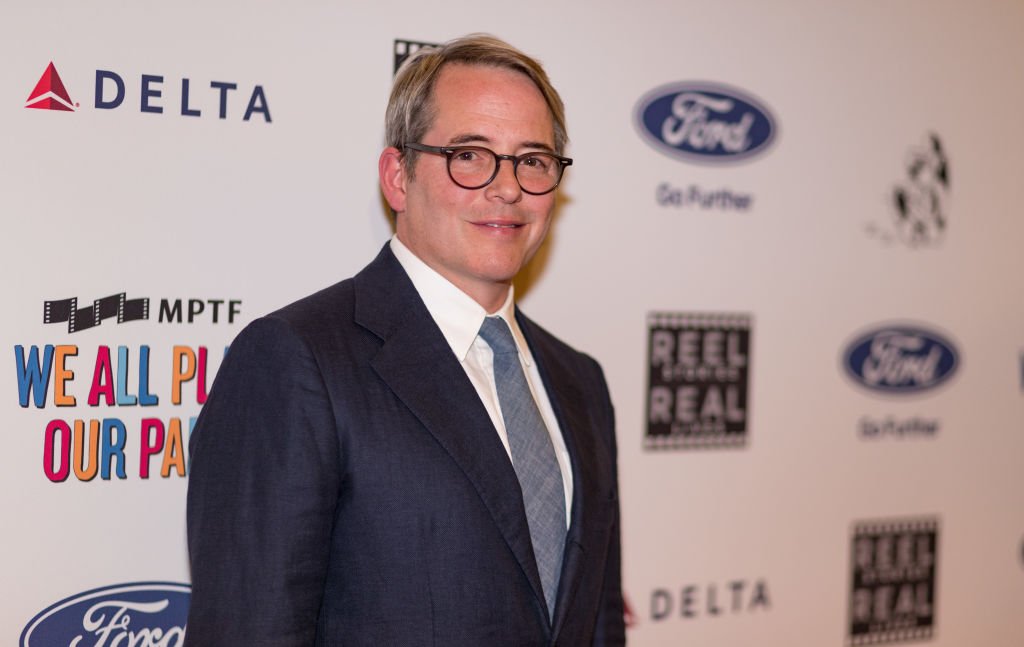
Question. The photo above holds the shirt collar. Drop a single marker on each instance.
(456, 313)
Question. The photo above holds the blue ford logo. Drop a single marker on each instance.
(900, 359)
(705, 122)
(143, 614)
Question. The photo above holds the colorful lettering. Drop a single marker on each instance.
(33, 375)
(57, 443)
(147, 447)
(102, 379)
(62, 376)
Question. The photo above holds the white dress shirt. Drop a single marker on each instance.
(459, 317)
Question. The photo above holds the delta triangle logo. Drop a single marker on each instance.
(49, 93)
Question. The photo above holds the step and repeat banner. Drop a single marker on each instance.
(792, 236)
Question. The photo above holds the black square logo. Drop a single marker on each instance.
(406, 48)
(893, 584)
(698, 371)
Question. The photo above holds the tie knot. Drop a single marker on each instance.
(496, 333)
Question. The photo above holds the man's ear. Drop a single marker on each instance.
(391, 169)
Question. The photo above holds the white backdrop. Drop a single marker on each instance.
(723, 546)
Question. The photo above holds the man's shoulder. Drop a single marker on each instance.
(302, 323)
(336, 304)
(322, 306)
(368, 303)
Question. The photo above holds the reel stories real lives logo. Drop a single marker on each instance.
(893, 574)
(403, 49)
(698, 373)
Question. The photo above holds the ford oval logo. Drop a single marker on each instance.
(705, 122)
(142, 614)
(901, 359)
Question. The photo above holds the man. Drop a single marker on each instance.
(404, 458)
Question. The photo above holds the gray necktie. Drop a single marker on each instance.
(533, 457)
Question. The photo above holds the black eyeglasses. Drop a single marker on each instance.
(474, 167)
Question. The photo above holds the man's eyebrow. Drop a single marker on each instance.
(538, 145)
(473, 138)
(468, 138)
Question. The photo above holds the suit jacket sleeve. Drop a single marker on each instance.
(263, 487)
(611, 630)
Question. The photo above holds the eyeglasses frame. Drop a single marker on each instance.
(450, 151)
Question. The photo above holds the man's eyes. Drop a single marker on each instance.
(539, 162)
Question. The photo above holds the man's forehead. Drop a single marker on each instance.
(471, 78)
(493, 91)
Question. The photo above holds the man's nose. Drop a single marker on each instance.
(505, 186)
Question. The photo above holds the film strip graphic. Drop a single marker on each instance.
(406, 48)
(115, 305)
(698, 380)
(722, 321)
(893, 578)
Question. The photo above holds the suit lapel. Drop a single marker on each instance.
(418, 365)
(567, 400)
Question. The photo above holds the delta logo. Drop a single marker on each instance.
(50, 93)
(155, 95)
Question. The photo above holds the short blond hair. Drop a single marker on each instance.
(410, 112)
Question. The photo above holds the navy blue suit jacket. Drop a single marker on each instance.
(347, 487)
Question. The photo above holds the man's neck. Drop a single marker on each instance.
(491, 296)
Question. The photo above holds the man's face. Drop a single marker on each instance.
(479, 239)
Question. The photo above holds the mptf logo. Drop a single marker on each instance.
(111, 90)
(115, 305)
(50, 93)
(119, 307)
(142, 614)
(705, 122)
